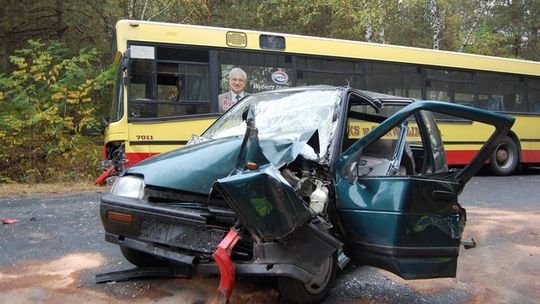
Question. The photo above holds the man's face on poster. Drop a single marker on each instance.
(237, 83)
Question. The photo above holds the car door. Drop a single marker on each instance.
(408, 220)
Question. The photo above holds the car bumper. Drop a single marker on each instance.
(181, 235)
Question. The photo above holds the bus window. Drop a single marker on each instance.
(141, 88)
(182, 89)
(533, 95)
(173, 83)
(315, 78)
(326, 65)
(141, 78)
(451, 86)
(394, 79)
(117, 109)
(314, 71)
(499, 92)
(168, 82)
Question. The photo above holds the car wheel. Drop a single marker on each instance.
(314, 291)
(142, 259)
(505, 158)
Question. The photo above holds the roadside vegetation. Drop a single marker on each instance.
(55, 55)
(49, 122)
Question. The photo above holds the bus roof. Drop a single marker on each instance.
(145, 31)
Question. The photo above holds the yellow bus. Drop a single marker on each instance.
(170, 76)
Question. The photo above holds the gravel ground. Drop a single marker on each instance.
(53, 252)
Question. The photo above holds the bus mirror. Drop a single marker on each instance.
(125, 60)
(104, 123)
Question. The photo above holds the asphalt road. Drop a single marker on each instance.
(53, 252)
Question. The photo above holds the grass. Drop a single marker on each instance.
(7, 190)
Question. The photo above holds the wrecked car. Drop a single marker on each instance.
(294, 183)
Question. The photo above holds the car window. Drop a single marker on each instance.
(439, 163)
(387, 157)
(421, 153)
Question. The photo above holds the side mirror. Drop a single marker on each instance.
(104, 121)
(350, 170)
(352, 175)
(125, 60)
(195, 139)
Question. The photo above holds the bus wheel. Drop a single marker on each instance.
(314, 291)
(505, 158)
(142, 259)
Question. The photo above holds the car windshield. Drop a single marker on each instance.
(283, 115)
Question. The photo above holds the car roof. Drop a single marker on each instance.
(379, 99)
(375, 98)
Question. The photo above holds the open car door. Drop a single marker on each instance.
(396, 198)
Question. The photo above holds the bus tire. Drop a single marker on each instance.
(142, 259)
(505, 159)
(295, 291)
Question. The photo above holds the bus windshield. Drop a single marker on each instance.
(116, 109)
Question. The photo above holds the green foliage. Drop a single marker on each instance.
(49, 113)
(50, 98)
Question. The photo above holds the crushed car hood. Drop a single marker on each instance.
(196, 167)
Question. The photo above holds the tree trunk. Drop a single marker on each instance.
(382, 16)
(145, 6)
(130, 8)
(436, 23)
(369, 29)
(60, 22)
(517, 45)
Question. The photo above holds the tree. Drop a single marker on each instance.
(49, 113)
(436, 17)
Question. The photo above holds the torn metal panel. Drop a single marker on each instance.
(264, 202)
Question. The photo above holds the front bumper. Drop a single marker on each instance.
(184, 236)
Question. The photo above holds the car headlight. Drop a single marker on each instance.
(128, 186)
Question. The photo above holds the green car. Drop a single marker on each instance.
(294, 183)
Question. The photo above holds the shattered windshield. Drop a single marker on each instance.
(284, 115)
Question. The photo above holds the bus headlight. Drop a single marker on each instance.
(128, 186)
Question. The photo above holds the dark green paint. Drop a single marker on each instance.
(195, 168)
(409, 225)
(265, 203)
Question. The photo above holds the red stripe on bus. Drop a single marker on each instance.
(460, 157)
(463, 157)
(134, 158)
(455, 157)
(530, 156)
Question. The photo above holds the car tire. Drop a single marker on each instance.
(296, 291)
(142, 259)
(505, 159)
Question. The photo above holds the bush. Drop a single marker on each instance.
(48, 122)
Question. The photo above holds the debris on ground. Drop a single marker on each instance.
(7, 221)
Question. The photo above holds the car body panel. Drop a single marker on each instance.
(390, 221)
(195, 168)
(264, 202)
